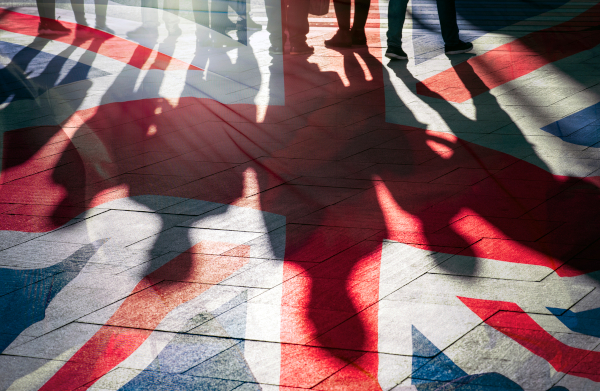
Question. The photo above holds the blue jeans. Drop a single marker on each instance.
(446, 13)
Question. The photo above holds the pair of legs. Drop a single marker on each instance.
(361, 12)
(46, 9)
(345, 35)
(446, 13)
(290, 15)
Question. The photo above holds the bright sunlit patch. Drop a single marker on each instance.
(251, 186)
(325, 65)
(397, 220)
(444, 150)
(439, 149)
(365, 68)
(250, 197)
(261, 112)
(344, 79)
(110, 194)
(151, 130)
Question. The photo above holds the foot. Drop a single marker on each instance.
(461, 47)
(302, 49)
(143, 32)
(359, 38)
(276, 49)
(52, 27)
(395, 53)
(342, 39)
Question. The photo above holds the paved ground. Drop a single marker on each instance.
(189, 212)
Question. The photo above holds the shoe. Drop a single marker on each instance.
(274, 49)
(458, 48)
(341, 39)
(52, 27)
(143, 32)
(302, 49)
(359, 38)
(395, 53)
(252, 25)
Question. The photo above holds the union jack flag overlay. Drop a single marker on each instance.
(181, 209)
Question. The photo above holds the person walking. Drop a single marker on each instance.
(447, 15)
(346, 36)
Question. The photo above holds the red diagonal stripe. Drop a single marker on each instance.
(512, 321)
(513, 60)
(87, 38)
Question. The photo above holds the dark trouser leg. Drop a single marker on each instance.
(297, 21)
(396, 15)
(447, 15)
(361, 12)
(46, 8)
(276, 21)
(342, 14)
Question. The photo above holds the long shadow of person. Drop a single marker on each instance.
(332, 126)
(66, 172)
(329, 220)
(517, 202)
(185, 132)
(15, 83)
(23, 149)
(102, 152)
(20, 305)
(408, 174)
(18, 83)
(154, 134)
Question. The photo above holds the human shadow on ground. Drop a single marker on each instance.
(345, 180)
